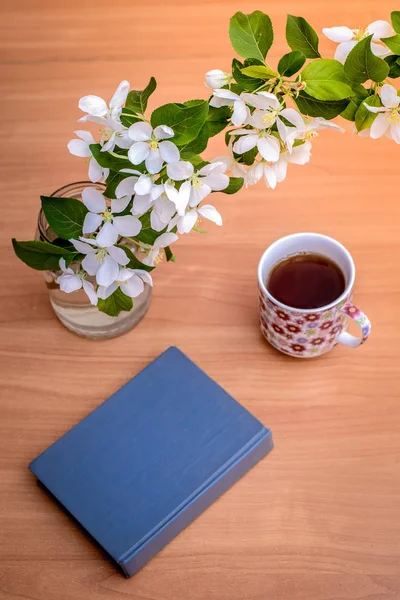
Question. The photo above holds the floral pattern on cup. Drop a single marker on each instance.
(299, 334)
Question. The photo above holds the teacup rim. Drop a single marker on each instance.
(307, 311)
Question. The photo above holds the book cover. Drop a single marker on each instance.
(151, 458)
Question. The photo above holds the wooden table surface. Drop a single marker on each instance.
(319, 518)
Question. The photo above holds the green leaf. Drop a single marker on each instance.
(318, 108)
(235, 183)
(262, 72)
(359, 94)
(248, 83)
(396, 20)
(42, 256)
(393, 43)
(325, 80)
(394, 66)
(361, 64)
(115, 303)
(128, 118)
(169, 255)
(137, 101)
(147, 235)
(134, 262)
(217, 119)
(247, 158)
(291, 63)
(186, 121)
(196, 146)
(301, 36)
(108, 161)
(64, 215)
(364, 118)
(251, 35)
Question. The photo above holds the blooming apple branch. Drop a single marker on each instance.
(150, 182)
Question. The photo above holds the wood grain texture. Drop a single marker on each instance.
(318, 519)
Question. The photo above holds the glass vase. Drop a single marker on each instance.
(74, 310)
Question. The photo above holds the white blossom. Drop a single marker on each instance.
(70, 281)
(232, 165)
(217, 79)
(227, 98)
(349, 38)
(80, 147)
(149, 147)
(196, 186)
(163, 240)
(100, 215)
(130, 281)
(268, 145)
(308, 129)
(188, 220)
(97, 109)
(388, 118)
(101, 261)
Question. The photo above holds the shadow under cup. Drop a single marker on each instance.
(308, 332)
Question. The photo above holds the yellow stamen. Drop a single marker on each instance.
(394, 116)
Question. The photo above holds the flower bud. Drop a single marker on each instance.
(216, 79)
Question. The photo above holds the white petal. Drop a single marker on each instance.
(123, 140)
(145, 276)
(375, 109)
(218, 102)
(140, 131)
(155, 221)
(69, 283)
(126, 187)
(141, 204)
(262, 101)
(96, 172)
(165, 208)
(133, 287)
(90, 292)
(210, 212)
(254, 174)
(280, 168)
(91, 264)
(180, 170)
(283, 130)
(131, 172)
(163, 132)
(154, 161)
(165, 239)
(82, 247)
(127, 226)
(79, 148)
(108, 271)
(269, 148)
(171, 191)
(91, 119)
(300, 154)
(94, 105)
(107, 235)
(93, 199)
(119, 204)
(143, 185)
(270, 177)
(156, 191)
(389, 96)
(379, 50)
(245, 143)
(379, 126)
(138, 152)
(293, 117)
(338, 34)
(240, 113)
(105, 292)
(182, 199)
(380, 29)
(86, 136)
(119, 255)
(63, 266)
(198, 194)
(120, 95)
(226, 95)
(186, 223)
(259, 119)
(92, 222)
(217, 181)
(169, 152)
(216, 166)
(110, 143)
(343, 50)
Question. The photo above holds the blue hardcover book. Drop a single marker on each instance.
(149, 460)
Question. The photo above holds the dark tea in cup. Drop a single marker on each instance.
(306, 281)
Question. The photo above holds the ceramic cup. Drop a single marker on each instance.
(308, 333)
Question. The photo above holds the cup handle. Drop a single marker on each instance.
(362, 321)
